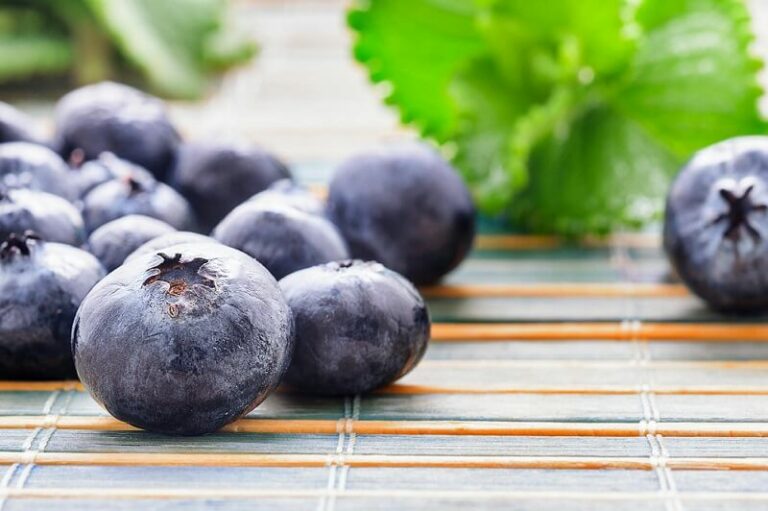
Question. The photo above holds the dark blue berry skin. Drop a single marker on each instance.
(33, 166)
(716, 224)
(136, 195)
(41, 286)
(217, 177)
(281, 238)
(160, 243)
(406, 208)
(105, 168)
(114, 241)
(15, 126)
(287, 193)
(359, 326)
(115, 118)
(183, 342)
(50, 216)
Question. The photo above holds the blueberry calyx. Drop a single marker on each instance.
(76, 158)
(178, 274)
(135, 186)
(16, 244)
(739, 209)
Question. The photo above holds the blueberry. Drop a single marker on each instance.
(50, 216)
(358, 326)
(281, 238)
(114, 241)
(716, 225)
(15, 126)
(160, 243)
(287, 193)
(215, 178)
(406, 208)
(204, 334)
(136, 194)
(88, 175)
(41, 286)
(26, 165)
(111, 117)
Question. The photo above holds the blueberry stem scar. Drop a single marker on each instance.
(134, 184)
(739, 209)
(179, 274)
(17, 244)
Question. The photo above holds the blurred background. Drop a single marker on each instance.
(301, 95)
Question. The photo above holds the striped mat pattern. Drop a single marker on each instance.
(558, 375)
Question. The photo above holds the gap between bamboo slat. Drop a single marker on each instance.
(555, 290)
(376, 461)
(304, 493)
(421, 427)
(607, 331)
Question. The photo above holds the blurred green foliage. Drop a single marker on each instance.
(177, 46)
(568, 116)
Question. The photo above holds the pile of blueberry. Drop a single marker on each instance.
(149, 267)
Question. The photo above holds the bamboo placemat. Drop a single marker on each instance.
(559, 375)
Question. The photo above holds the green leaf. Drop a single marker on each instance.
(416, 47)
(173, 43)
(487, 110)
(604, 171)
(693, 81)
(29, 46)
(572, 115)
(593, 31)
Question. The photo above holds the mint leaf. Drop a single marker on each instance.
(572, 115)
(416, 47)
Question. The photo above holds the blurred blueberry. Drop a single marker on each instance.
(282, 238)
(49, 216)
(41, 286)
(217, 177)
(406, 208)
(114, 241)
(716, 225)
(116, 118)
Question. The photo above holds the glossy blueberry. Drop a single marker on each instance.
(90, 174)
(217, 177)
(33, 166)
(50, 216)
(114, 241)
(358, 326)
(716, 225)
(111, 117)
(185, 341)
(41, 286)
(15, 126)
(287, 193)
(160, 243)
(281, 238)
(406, 208)
(136, 195)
